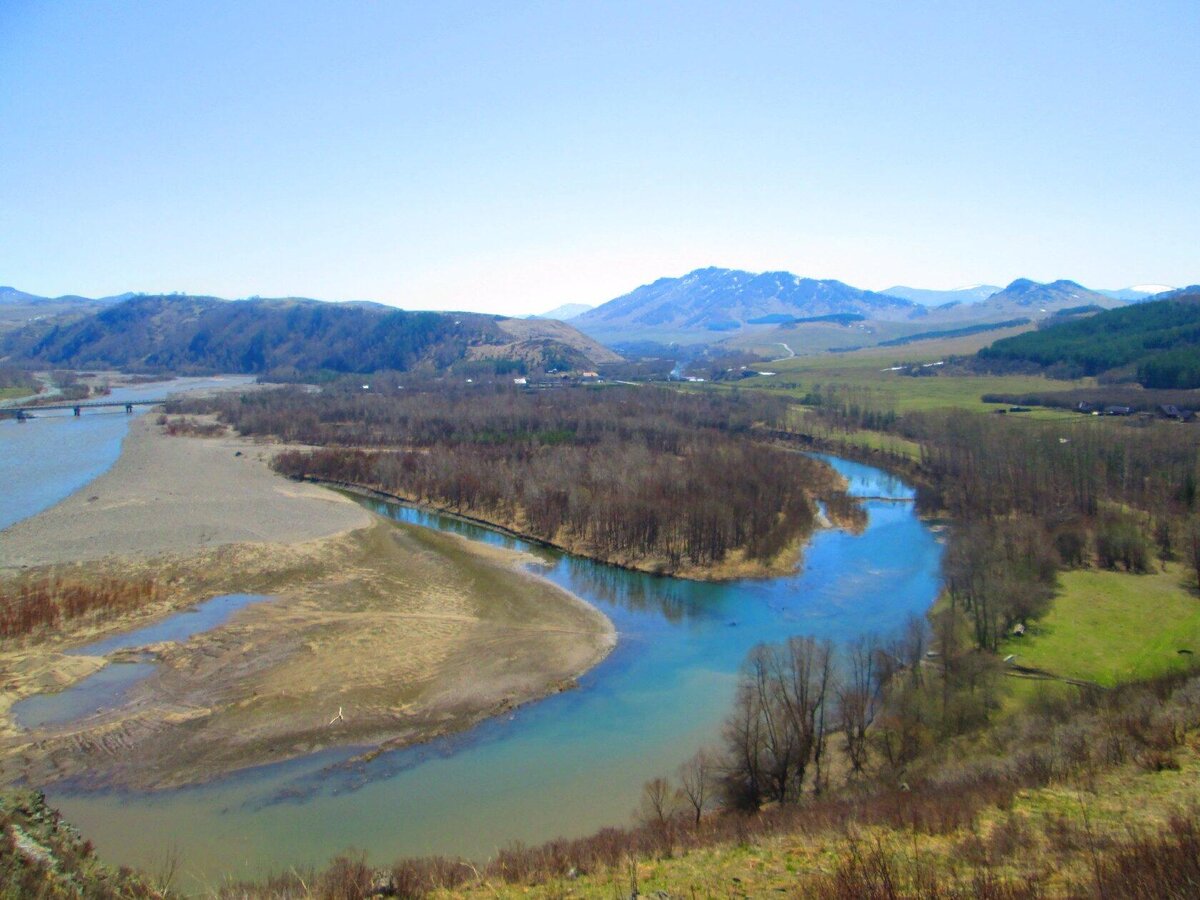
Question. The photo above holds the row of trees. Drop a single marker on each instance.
(385, 415)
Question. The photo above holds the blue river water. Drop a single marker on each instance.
(565, 765)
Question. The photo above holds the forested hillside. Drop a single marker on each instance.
(291, 338)
(1158, 343)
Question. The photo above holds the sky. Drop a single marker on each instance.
(509, 157)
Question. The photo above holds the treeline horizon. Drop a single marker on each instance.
(651, 478)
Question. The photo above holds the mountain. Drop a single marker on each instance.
(566, 312)
(1156, 342)
(1033, 294)
(1137, 292)
(292, 336)
(972, 294)
(1175, 293)
(12, 296)
(709, 304)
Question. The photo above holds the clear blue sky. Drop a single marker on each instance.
(509, 156)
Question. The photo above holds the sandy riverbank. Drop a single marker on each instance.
(178, 495)
(411, 633)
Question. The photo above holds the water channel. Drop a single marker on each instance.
(565, 765)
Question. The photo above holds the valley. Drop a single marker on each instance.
(526, 563)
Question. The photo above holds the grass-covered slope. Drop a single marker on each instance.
(1159, 341)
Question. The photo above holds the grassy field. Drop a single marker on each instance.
(868, 371)
(1109, 627)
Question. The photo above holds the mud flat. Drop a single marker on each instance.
(409, 633)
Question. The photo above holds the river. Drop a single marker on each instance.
(54, 455)
(565, 765)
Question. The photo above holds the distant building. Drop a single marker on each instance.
(520, 381)
(1171, 411)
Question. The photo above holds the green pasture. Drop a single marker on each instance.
(1110, 627)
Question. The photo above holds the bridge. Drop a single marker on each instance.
(24, 413)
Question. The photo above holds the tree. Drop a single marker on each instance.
(779, 725)
(658, 803)
(858, 697)
(696, 781)
(1194, 548)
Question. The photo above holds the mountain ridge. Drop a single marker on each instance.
(717, 305)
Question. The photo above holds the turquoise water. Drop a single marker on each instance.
(565, 765)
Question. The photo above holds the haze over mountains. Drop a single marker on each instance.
(566, 312)
(970, 294)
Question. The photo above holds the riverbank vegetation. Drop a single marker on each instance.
(42, 856)
(642, 477)
(30, 604)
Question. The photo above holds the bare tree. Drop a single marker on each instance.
(696, 781)
(805, 677)
(1194, 548)
(779, 724)
(858, 698)
(658, 803)
(743, 784)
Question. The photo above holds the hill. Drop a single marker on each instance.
(1050, 295)
(1155, 342)
(1136, 292)
(294, 337)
